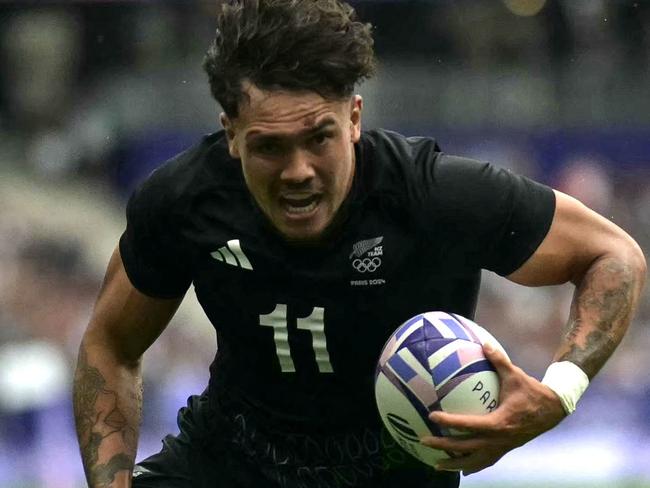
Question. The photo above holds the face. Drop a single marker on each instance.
(297, 156)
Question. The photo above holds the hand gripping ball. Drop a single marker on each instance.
(433, 361)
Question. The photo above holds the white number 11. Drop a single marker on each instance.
(314, 323)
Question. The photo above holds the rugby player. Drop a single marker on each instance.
(308, 241)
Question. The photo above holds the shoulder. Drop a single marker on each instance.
(417, 168)
(418, 156)
(389, 162)
(392, 148)
(202, 160)
(414, 174)
(205, 165)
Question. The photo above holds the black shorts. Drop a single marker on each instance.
(225, 448)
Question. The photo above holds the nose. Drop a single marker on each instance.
(298, 168)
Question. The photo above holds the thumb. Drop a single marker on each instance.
(497, 357)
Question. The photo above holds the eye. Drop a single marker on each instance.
(268, 147)
(321, 138)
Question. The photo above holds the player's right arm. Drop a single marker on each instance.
(107, 384)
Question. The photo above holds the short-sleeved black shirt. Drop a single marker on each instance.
(299, 330)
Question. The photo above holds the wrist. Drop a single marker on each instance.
(568, 381)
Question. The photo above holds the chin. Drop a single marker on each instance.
(303, 236)
(303, 239)
(309, 232)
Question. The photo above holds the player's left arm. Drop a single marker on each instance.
(608, 270)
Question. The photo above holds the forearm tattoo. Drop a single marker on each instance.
(100, 420)
(602, 308)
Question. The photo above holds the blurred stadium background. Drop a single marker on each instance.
(94, 95)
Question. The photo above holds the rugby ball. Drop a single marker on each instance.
(433, 361)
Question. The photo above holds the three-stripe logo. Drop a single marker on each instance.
(233, 255)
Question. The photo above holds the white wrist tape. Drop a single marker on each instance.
(568, 381)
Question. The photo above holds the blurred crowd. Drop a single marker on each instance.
(94, 95)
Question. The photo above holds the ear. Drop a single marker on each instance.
(230, 135)
(355, 117)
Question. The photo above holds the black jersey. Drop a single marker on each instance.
(300, 329)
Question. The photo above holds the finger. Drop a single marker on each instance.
(498, 358)
(470, 463)
(454, 444)
(470, 423)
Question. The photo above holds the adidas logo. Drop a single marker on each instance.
(232, 254)
(402, 427)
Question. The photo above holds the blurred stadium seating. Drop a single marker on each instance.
(94, 95)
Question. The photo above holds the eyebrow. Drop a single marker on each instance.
(258, 135)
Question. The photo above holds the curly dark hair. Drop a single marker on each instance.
(302, 45)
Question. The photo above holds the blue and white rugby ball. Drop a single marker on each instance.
(433, 361)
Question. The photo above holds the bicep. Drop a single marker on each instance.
(124, 319)
(577, 237)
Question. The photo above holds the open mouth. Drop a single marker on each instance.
(300, 205)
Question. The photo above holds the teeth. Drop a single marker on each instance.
(300, 204)
(298, 196)
(301, 209)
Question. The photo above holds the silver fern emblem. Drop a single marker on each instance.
(362, 247)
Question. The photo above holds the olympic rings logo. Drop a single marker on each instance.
(367, 265)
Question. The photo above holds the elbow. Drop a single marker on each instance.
(104, 347)
(622, 261)
(631, 255)
(638, 262)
